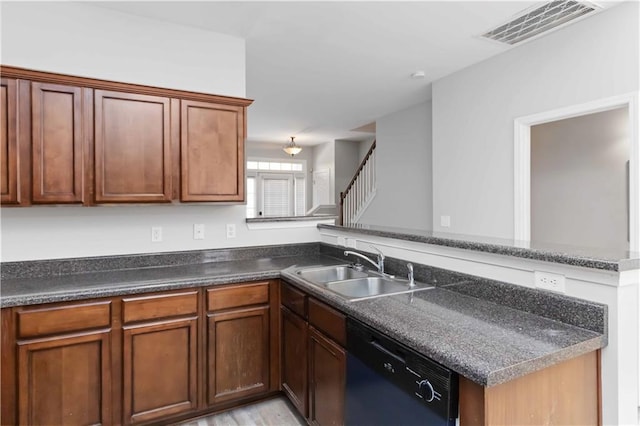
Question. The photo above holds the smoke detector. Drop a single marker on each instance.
(535, 21)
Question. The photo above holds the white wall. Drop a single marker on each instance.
(63, 232)
(94, 42)
(474, 110)
(89, 41)
(324, 158)
(403, 170)
(270, 150)
(579, 180)
(346, 164)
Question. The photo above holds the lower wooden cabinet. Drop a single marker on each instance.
(237, 354)
(327, 380)
(160, 370)
(142, 359)
(294, 359)
(56, 364)
(313, 361)
(159, 355)
(65, 380)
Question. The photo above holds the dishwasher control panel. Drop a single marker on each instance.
(420, 377)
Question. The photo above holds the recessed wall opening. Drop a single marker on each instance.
(576, 175)
(580, 180)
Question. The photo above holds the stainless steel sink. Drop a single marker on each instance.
(365, 288)
(331, 273)
(354, 285)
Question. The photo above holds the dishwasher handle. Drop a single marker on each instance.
(398, 356)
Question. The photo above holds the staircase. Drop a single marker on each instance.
(360, 191)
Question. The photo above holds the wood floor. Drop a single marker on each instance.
(273, 412)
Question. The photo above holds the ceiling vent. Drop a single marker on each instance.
(535, 21)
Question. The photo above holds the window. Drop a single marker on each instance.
(276, 195)
(276, 188)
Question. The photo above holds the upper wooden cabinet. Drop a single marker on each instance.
(58, 143)
(9, 141)
(212, 148)
(132, 147)
(70, 139)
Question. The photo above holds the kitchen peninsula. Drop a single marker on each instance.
(607, 277)
(476, 322)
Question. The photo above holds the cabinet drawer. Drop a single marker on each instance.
(294, 299)
(328, 320)
(62, 319)
(238, 295)
(159, 306)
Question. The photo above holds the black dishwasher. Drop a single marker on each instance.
(389, 384)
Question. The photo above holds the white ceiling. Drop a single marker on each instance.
(316, 70)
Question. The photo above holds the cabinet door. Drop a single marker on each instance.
(159, 366)
(327, 380)
(237, 354)
(57, 144)
(65, 380)
(212, 152)
(9, 141)
(132, 148)
(294, 359)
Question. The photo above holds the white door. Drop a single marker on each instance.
(321, 187)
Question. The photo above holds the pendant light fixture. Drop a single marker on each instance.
(291, 148)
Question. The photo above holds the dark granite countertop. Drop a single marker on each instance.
(606, 259)
(31, 291)
(487, 342)
(481, 340)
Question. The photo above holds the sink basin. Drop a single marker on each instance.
(369, 287)
(331, 273)
(354, 285)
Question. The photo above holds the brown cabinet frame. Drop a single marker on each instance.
(24, 182)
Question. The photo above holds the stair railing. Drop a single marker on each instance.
(360, 191)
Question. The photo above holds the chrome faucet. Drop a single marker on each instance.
(412, 283)
(379, 265)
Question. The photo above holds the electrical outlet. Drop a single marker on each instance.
(549, 281)
(342, 241)
(445, 221)
(198, 231)
(156, 234)
(231, 230)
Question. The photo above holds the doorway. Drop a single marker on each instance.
(579, 180)
(523, 170)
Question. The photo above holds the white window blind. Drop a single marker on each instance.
(276, 196)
